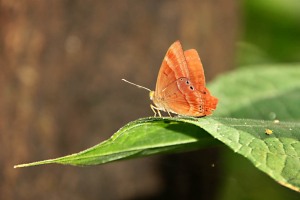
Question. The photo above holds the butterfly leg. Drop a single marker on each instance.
(169, 113)
(155, 110)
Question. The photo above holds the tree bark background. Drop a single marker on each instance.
(61, 64)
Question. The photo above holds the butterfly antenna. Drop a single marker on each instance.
(139, 86)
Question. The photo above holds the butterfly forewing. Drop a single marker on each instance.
(174, 66)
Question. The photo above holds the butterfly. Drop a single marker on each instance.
(180, 85)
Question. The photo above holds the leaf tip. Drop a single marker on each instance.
(22, 165)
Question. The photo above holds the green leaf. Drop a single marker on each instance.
(259, 93)
(276, 154)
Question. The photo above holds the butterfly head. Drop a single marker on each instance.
(151, 95)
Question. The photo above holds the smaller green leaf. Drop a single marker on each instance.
(139, 138)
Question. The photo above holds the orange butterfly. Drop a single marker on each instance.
(180, 86)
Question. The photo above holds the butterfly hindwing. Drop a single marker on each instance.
(197, 77)
(183, 98)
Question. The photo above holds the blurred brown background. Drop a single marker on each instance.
(61, 92)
